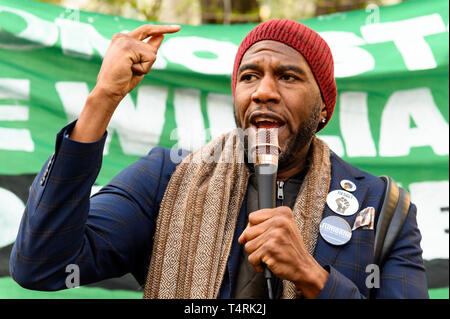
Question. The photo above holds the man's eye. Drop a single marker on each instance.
(247, 77)
(288, 77)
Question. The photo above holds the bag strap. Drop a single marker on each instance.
(391, 218)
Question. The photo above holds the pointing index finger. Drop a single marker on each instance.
(148, 30)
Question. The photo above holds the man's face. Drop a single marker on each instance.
(275, 87)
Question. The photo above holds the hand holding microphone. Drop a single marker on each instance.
(266, 151)
(263, 151)
(272, 238)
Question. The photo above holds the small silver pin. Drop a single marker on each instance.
(349, 186)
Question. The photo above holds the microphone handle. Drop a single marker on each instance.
(266, 180)
(266, 177)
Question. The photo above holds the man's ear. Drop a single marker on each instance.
(322, 117)
(323, 112)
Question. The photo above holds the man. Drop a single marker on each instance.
(193, 230)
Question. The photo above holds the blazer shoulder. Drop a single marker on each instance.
(167, 158)
(164, 160)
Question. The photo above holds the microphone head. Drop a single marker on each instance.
(263, 146)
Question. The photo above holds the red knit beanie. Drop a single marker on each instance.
(306, 41)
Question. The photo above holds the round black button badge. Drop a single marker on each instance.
(335, 230)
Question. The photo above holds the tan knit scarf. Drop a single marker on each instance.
(198, 215)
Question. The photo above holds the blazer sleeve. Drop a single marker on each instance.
(105, 236)
(401, 276)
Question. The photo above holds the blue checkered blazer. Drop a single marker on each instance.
(111, 233)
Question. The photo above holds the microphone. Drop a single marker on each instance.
(265, 151)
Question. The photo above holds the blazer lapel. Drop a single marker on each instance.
(325, 253)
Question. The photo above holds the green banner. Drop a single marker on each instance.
(391, 117)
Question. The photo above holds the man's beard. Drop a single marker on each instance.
(305, 132)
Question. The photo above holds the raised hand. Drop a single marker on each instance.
(125, 63)
(128, 59)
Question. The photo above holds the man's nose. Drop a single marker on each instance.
(266, 91)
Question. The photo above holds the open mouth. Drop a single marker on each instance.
(266, 121)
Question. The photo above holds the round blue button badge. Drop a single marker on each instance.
(335, 230)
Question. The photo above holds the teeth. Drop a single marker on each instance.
(260, 119)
